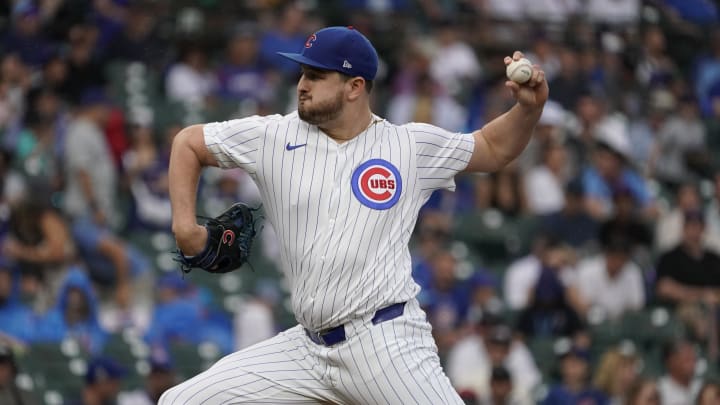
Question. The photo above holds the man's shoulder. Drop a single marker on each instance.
(415, 128)
(673, 254)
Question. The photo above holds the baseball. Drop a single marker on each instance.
(519, 71)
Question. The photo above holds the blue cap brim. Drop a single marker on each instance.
(299, 58)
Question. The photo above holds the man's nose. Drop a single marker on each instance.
(302, 85)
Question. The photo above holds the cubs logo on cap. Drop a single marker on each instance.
(377, 184)
(342, 49)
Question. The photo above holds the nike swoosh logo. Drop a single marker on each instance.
(293, 147)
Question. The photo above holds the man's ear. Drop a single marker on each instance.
(357, 87)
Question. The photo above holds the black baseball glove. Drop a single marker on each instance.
(230, 237)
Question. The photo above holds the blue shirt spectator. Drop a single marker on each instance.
(75, 315)
(243, 76)
(181, 316)
(16, 319)
(574, 388)
(288, 36)
(26, 38)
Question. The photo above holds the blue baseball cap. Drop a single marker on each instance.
(341, 49)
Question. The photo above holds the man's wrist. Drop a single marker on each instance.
(190, 239)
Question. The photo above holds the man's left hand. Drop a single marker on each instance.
(534, 92)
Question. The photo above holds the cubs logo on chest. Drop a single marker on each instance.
(377, 184)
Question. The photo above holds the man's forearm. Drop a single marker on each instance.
(187, 158)
(508, 135)
(183, 176)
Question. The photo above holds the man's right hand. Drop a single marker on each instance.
(191, 240)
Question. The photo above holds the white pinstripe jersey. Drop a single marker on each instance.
(343, 212)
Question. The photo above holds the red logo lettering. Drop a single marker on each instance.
(228, 237)
(309, 43)
(367, 184)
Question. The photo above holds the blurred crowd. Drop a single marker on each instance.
(587, 271)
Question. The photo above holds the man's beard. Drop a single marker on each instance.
(322, 112)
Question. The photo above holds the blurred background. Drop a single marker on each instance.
(585, 272)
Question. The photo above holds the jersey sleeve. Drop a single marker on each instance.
(235, 143)
(440, 155)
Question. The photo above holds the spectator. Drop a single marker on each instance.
(17, 321)
(287, 34)
(626, 220)
(189, 80)
(609, 283)
(55, 77)
(679, 154)
(430, 240)
(10, 392)
(41, 245)
(90, 173)
(618, 369)
(145, 165)
(454, 65)
(679, 385)
(501, 388)
(85, 68)
(669, 227)
(35, 149)
(689, 276)
(446, 301)
(75, 315)
(569, 85)
(654, 66)
(574, 387)
(180, 317)
(26, 37)
(644, 130)
(109, 16)
(242, 76)
(140, 41)
(103, 380)
(522, 274)
(610, 169)
(483, 293)
(549, 314)
(471, 362)
(90, 197)
(572, 225)
(545, 183)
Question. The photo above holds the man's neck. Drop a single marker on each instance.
(347, 127)
(681, 381)
(694, 250)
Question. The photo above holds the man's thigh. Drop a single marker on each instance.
(393, 362)
(279, 370)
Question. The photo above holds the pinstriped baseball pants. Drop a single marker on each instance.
(393, 362)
